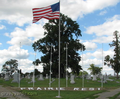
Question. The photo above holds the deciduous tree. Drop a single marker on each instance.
(69, 32)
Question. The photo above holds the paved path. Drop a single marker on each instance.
(111, 93)
(11, 93)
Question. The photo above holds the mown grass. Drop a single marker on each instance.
(63, 94)
(3, 98)
(42, 94)
(45, 83)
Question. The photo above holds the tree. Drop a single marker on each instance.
(69, 34)
(36, 62)
(37, 72)
(115, 61)
(94, 70)
(10, 66)
(83, 73)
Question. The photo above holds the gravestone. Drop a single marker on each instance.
(33, 79)
(94, 78)
(15, 77)
(2, 76)
(88, 77)
(28, 76)
(6, 77)
(104, 79)
(41, 77)
(72, 81)
(46, 76)
(107, 77)
(101, 76)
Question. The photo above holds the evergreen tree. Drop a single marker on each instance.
(115, 61)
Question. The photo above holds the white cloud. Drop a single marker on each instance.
(103, 39)
(21, 55)
(85, 6)
(90, 45)
(0, 43)
(2, 27)
(27, 66)
(106, 28)
(20, 12)
(6, 34)
(96, 58)
(103, 12)
(24, 64)
(104, 32)
(14, 52)
(32, 33)
(108, 70)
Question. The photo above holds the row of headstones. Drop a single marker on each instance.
(103, 78)
(16, 77)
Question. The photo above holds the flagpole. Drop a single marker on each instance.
(50, 65)
(83, 70)
(19, 65)
(34, 72)
(102, 67)
(66, 65)
(59, 60)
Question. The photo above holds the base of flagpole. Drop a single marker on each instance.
(58, 97)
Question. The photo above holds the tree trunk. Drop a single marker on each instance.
(117, 76)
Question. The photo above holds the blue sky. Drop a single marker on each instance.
(98, 19)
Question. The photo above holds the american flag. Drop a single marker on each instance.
(49, 12)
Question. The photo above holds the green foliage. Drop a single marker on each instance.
(94, 70)
(83, 72)
(69, 32)
(114, 62)
(10, 66)
(37, 72)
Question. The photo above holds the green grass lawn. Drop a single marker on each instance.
(45, 83)
(64, 94)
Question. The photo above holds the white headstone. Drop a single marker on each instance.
(72, 79)
(101, 76)
(33, 79)
(94, 77)
(88, 77)
(16, 77)
(6, 77)
(46, 76)
(29, 76)
(41, 77)
(104, 79)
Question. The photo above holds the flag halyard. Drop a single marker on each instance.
(49, 12)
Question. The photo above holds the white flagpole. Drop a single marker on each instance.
(19, 65)
(66, 66)
(102, 67)
(59, 62)
(34, 72)
(83, 70)
(50, 65)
